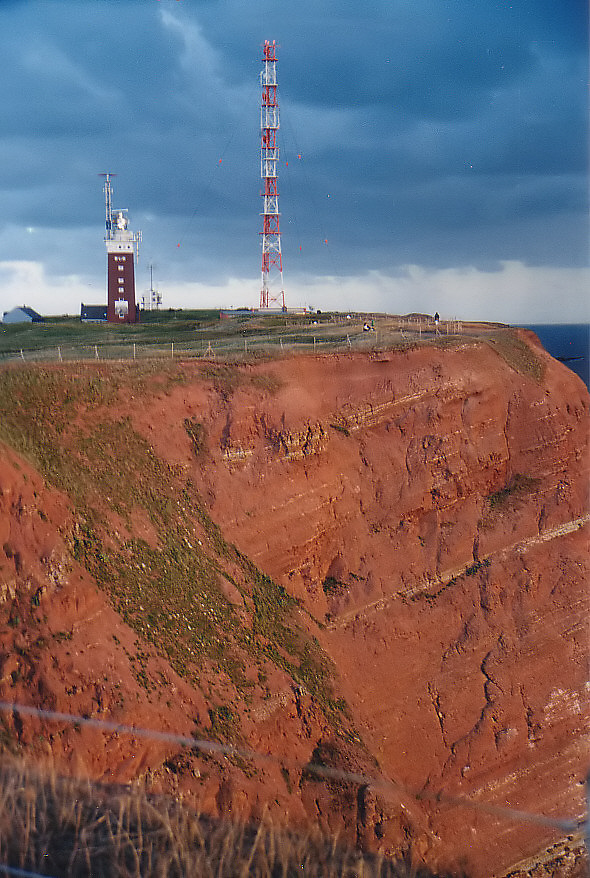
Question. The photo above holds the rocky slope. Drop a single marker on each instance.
(427, 510)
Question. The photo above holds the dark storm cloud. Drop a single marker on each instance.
(437, 133)
(434, 59)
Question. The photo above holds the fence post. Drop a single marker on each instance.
(172, 350)
(96, 352)
(245, 345)
(281, 341)
(22, 356)
(314, 343)
(59, 354)
(133, 350)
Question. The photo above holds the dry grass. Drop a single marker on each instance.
(517, 354)
(65, 827)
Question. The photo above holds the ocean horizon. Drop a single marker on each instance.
(569, 343)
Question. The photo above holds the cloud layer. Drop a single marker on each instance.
(448, 136)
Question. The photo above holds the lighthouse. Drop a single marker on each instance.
(122, 250)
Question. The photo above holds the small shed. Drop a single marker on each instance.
(93, 313)
(24, 314)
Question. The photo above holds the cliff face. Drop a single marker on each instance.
(429, 510)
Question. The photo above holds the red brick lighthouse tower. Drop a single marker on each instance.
(122, 251)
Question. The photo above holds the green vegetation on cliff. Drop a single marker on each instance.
(170, 590)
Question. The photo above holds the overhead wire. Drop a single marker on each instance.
(319, 770)
(289, 190)
(208, 188)
(310, 193)
(21, 873)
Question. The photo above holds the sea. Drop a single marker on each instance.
(568, 342)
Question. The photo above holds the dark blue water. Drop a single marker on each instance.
(568, 342)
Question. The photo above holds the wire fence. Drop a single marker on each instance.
(319, 770)
(241, 343)
(576, 830)
(21, 873)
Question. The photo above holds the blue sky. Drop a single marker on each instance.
(433, 152)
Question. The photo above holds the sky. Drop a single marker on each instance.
(433, 153)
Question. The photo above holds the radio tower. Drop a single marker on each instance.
(269, 156)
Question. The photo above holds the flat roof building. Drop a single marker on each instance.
(93, 313)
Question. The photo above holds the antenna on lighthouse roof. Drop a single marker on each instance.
(108, 198)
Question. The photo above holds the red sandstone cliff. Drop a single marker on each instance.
(429, 509)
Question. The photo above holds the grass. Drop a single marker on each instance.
(59, 826)
(333, 586)
(340, 428)
(196, 433)
(517, 487)
(268, 383)
(191, 333)
(160, 327)
(224, 723)
(517, 354)
(169, 593)
(225, 378)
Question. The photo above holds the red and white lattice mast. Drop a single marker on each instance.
(272, 260)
